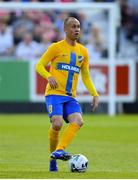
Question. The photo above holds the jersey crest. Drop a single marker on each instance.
(80, 58)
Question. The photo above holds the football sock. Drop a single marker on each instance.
(68, 135)
(53, 138)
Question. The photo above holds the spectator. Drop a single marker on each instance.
(21, 25)
(95, 44)
(49, 28)
(129, 19)
(59, 21)
(28, 49)
(128, 34)
(6, 39)
(45, 42)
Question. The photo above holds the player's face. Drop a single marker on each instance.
(72, 29)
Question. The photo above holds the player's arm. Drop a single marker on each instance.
(86, 78)
(47, 57)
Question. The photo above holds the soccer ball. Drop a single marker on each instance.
(78, 163)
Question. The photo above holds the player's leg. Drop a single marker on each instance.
(59, 154)
(72, 112)
(53, 139)
(56, 125)
(75, 122)
(55, 112)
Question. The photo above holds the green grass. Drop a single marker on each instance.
(110, 144)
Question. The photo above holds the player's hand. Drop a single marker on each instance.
(52, 82)
(95, 102)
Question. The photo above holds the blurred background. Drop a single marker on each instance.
(109, 138)
(25, 35)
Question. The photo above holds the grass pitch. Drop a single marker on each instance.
(110, 144)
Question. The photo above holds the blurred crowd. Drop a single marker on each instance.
(58, 0)
(25, 35)
(128, 31)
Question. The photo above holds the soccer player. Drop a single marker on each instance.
(67, 59)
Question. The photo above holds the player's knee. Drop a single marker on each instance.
(79, 121)
(56, 123)
(76, 118)
(57, 126)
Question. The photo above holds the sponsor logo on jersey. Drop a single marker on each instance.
(68, 67)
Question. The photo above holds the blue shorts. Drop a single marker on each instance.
(62, 105)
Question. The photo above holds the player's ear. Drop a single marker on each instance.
(65, 29)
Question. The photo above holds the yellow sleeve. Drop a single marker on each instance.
(86, 78)
(47, 57)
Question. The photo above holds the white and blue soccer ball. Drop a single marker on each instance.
(78, 163)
